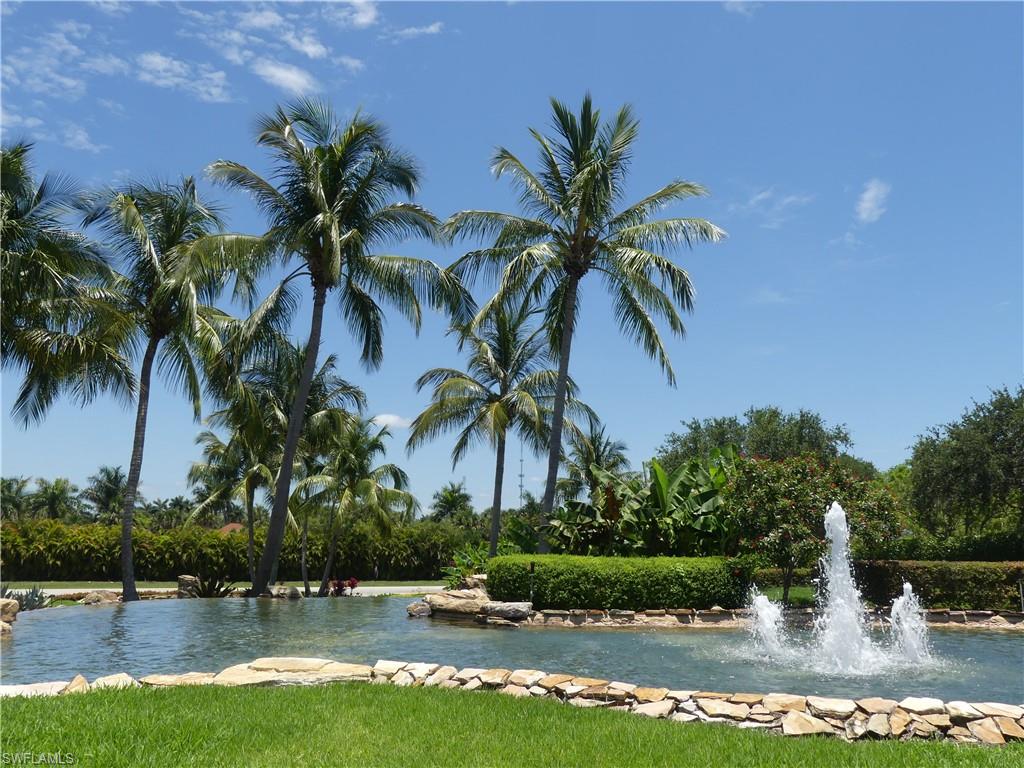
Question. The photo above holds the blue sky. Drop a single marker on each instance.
(865, 159)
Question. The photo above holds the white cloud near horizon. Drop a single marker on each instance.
(287, 77)
(408, 33)
(741, 7)
(872, 201)
(391, 420)
(358, 14)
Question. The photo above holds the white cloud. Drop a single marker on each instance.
(285, 76)
(352, 64)
(264, 18)
(163, 71)
(106, 64)
(872, 200)
(111, 7)
(768, 295)
(741, 7)
(45, 67)
(114, 107)
(359, 14)
(773, 208)
(306, 43)
(391, 420)
(408, 33)
(76, 137)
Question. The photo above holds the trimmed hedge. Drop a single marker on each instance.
(628, 583)
(943, 584)
(772, 577)
(48, 550)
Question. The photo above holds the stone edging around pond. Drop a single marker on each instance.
(791, 715)
(475, 604)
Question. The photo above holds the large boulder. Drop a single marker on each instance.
(508, 611)
(188, 586)
(419, 608)
(100, 596)
(8, 610)
(291, 593)
(5, 628)
(460, 601)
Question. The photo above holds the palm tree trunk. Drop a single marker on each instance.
(128, 591)
(558, 414)
(331, 548)
(499, 476)
(279, 513)
(302, 556)
(250, 521)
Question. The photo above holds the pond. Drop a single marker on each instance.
(208, 635)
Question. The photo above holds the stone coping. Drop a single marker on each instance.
(787, 714)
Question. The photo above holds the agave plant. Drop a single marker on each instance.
(28, 600)
(211, 587)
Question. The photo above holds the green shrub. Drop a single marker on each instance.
(48, 550)
(630, 583)
(772, 577)
(985, 547)
(966, 585)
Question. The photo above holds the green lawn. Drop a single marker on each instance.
(799, 597)
(142, 585)
(379, 725)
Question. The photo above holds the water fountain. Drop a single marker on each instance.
(841, 642)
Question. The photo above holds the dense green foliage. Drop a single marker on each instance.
(981, 586)
(631, 583)
(50, 551)
(370, 726)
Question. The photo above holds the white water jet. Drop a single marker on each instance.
(908, 626)
(767, 627)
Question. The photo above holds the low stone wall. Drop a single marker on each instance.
(787, 714)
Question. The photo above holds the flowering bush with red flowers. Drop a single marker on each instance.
(338, 586)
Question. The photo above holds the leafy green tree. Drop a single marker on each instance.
(329, 203)
(55, 499)
(767, 432)
(572, 227)
(163, 298)
(968, 476)
(506, 387)
(587, 453)
(165, 514)
(454, 504)
(55, 325)
(105, 493)
(15, 498)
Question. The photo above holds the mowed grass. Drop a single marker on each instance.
(799, 597)
(362, 725)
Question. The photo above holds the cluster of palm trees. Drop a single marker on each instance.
(83, 315)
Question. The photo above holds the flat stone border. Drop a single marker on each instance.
(788, 714)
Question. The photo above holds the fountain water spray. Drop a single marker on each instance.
(767, 627)
(908, 627)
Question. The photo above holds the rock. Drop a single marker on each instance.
(878, 725)
(288, 664)
(5, 628)
(467, 674)
(473, 684)
(683, 717)
(986, 731)
(627, 687)
(588, 682)
(290, 593)
(242, 674)
(78, 684)
(551, 681)
(720, 708)
(9, 610)
(339, 670)
(508, 611)
(962, 712)
(784, 702)
(898, 721)
(875, 705)
(525, 677)
(922, 729)
(517, 691)
(823, 707)
(100, 596)
(448, 684)
(584, 703)
(536, 690)
(855, 727)
(495, 677)
(763, 718)
(923, 706)
(680, 695)
(992, 709)
(746, 698)
(961, 734)
(797, 723)
(644, 695)
(661, 708)
(418, 609)
(1010, 728)
(402, 679)
(420, 671)
(188, 586)
(120, 680)
(494, 621)
(462, 601)
(710, 695)
(33, 689)
(441, 675)
(386, 668)
(655, 612)
(603, 693)
(939, 721)
(568, 689)
(189, 678)
(476, 581)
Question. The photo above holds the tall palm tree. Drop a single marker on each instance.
(105, 493)
(353, 488)
(453, 503)
(15, 498)
(55, 499)
(572, 227)
(54, 323)
(329, 202)
(587, 452)
(506, 386)
(165, 293)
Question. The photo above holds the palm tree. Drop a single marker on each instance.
(506, 386)
(105, 493)
(354, 488)
(587, 452)
(15, 498)
(572, 228)
(53, 325)
(165, 294)
(55, 499)
(453, 502)
(330, 201)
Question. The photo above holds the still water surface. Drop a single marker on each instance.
(208, 635)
